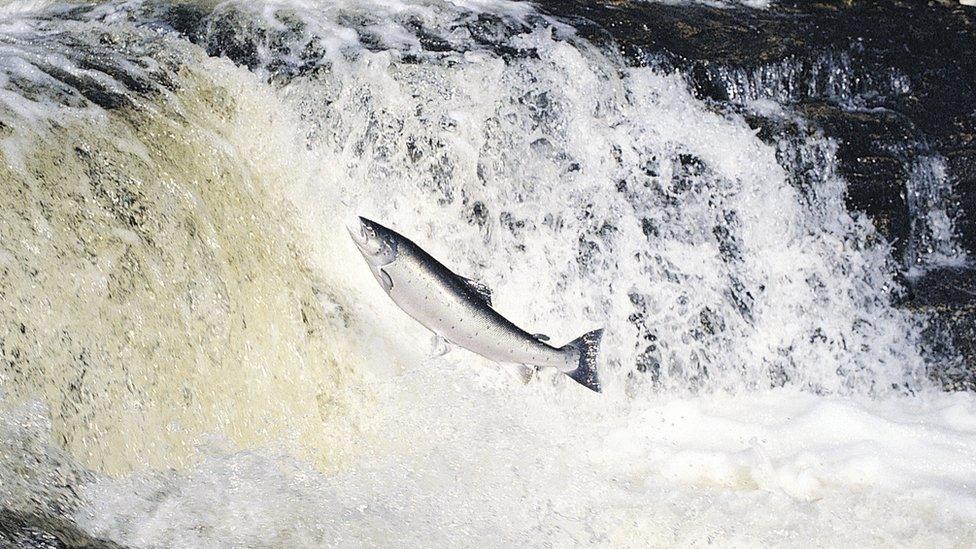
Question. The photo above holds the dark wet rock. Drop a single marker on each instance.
(29, 531)
(948, 298)
(88, 87)
(185, 18)
(962, 166)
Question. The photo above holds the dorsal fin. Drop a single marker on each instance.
(541, 337)
(483, 292)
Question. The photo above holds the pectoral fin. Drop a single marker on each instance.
(384, 279)
(524, 372)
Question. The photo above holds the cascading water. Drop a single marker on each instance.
(933, 243)
(193, 353)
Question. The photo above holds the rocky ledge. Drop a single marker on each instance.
(45, 532)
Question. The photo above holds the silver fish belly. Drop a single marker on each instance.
(445, 307)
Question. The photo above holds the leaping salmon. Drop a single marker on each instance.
(459, 310)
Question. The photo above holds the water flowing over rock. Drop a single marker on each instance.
(889, 82)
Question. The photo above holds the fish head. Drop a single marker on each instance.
(378, 246)
(377, 243)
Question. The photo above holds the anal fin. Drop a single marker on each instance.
(524, 372)
(439, 346)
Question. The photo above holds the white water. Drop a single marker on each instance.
(759, 388)
(469, 462)
(934, 242)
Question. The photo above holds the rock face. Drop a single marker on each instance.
(45, 532)
(892, 83)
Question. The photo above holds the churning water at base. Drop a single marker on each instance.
(193, 353)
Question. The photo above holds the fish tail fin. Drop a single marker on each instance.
(588, 346)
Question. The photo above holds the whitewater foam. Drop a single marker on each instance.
(470, 460)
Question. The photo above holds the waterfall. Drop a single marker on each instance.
(192, 352)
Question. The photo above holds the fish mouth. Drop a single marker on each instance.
(357, 230)
(369, 242)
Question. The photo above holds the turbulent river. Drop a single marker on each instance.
(193, 353)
